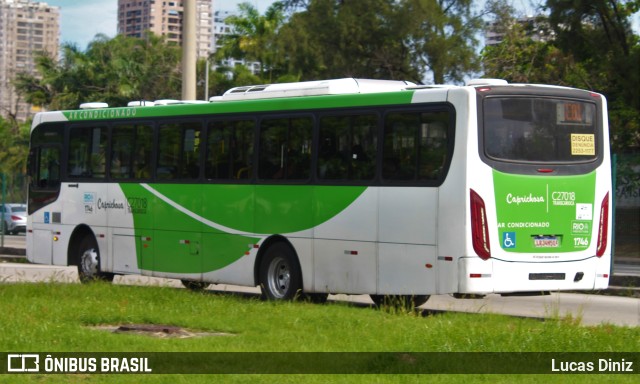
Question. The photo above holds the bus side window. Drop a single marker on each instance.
(142, 151)
(46, 174)
(415, 145)
(348, 146)
(179, 151)
(230, 150)
(87, 152)
(131, 151)
(285, 149)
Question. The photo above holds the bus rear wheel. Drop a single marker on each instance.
(408, 302)
(195, 285)
(89, 262)
(280, 274)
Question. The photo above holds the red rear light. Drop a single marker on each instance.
(479, 226)
(16, 218)
(603, 227)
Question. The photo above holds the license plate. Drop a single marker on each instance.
(546, 241)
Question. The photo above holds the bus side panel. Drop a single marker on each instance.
(407, 235)
(408, 215)
(344, 266)
(40, 247)
(177, 236)
(341, 265)
(83, 204)
(452, 200)
(121, 231)
(406, 269)
(239, 272)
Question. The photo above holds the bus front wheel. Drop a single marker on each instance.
(280, 274)
(89, 262)
(195, 286)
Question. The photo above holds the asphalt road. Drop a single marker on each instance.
(14, 241)
(589, 309)
(620, 268)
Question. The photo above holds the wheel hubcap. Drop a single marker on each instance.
(90, 262)
(279, 277)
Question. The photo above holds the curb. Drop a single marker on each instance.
(616, 282)
(8, 251)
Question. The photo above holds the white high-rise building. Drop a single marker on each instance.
(220, 29)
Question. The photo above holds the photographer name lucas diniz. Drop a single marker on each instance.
(601, 365)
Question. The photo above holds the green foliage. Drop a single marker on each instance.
(255, 38)
(384, 39)
(14, 146)
(582, 43)
(380, 39)
(442, 37)
(114, 70)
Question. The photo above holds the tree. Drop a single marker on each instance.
(525, 54)
(390, 39)
(344, 39)
(114, 70)
(253, 38)
(14, 146)
(583, 44)
(441, 37)
(598, 34)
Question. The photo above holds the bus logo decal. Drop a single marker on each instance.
(89, 201)
(580, 228)
(508, 240)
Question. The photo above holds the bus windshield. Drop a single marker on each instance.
(540, 130)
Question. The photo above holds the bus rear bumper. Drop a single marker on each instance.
(479, 276)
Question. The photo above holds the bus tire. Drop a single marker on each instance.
(317, 298)
(280, 274)
(195, 285)
(89, 261)
(399, 301)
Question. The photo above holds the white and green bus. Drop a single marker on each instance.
(340, 186)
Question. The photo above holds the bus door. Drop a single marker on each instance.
(44, 188)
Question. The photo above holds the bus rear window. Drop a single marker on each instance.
(525, 129)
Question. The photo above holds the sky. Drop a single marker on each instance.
(82, 20)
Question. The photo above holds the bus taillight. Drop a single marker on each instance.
(603, 227)
(479, 226)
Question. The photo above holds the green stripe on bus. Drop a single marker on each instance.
(189, 239)
(249, 106)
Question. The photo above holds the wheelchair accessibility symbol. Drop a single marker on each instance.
(508, 240)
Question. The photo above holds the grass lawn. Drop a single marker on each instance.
(54, 317)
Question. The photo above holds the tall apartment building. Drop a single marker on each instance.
(164, 18)
(26, 29)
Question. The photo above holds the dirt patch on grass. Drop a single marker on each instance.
(157, 330)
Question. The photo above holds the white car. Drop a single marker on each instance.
(15, 218)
